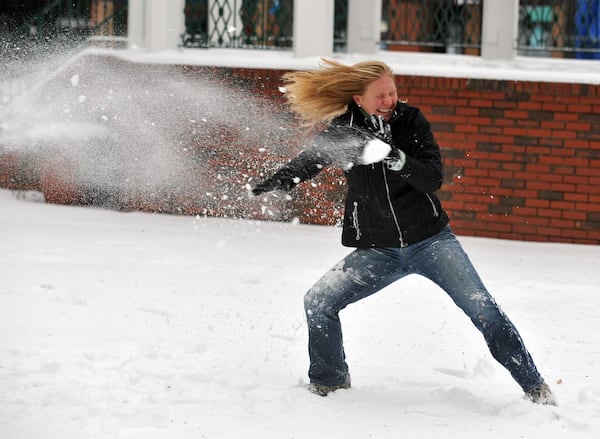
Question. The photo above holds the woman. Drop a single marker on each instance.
(392, 217)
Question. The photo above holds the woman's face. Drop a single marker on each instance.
(379, 98)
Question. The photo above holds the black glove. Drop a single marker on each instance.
(395, 160)
(380, 128)
(281, 180)
(265, 186)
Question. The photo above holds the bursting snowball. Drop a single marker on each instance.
(375, 151)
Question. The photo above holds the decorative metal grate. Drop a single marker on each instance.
(261, 24)
(72, 20)
(451, 26)
(568, 28)
(340, 26)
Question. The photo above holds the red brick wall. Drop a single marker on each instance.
(522, 159)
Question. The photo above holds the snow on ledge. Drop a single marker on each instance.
(403, 63)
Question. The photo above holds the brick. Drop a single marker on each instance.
(500, 209)
(579, 162)
(578, 144)
(578, 126)
(526, 140)
(551, 159)
(577, 179)
(501, 156)
(588, 189)
(581, 108)
(516, 114)
(554, 106)
(575, 215)
(590, 225)
(516, 150)
(538, 168)
(562, 205)
(466, 128)
(501, 139)
(571, 116)
(464, 110)
(563, 170)
(593, 217)
(541, 204)
(503, 192)
(553, 125)
(526, 105)
(563, 223)
(480, 103)
(525, 230)
(489, 147)
(525, 193)
(517, 165)
(528, 123)
(550, 231)
(588, 207)
(549, 177)
(540, 115)
(538, 220)
(514, 131)
(551, 195)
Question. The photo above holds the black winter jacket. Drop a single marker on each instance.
(383, 208)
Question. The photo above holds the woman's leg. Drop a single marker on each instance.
(443, 260)
(360, 274)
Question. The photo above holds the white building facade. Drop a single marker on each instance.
(156, 25)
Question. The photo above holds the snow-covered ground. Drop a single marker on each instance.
(133, 325)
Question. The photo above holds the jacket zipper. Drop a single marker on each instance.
(355, 220)
(387, 192)
(435, 211)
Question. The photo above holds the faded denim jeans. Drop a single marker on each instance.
(441, 259)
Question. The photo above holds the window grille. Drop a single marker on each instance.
(567, 28)
(340, 26)
(451, 26)
(73, 20)
(260, 24)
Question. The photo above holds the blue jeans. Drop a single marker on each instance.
(441, 259)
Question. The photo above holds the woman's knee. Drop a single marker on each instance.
(320, 301)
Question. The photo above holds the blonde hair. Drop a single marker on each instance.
(320, 95)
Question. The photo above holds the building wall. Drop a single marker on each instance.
(522, 159)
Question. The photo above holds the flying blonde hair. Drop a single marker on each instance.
(318, 96)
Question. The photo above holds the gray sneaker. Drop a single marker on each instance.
(324, 389)
(541, 395)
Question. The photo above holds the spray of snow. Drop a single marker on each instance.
(128, 128)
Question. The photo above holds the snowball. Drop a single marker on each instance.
(375, 150)
(75, 80)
